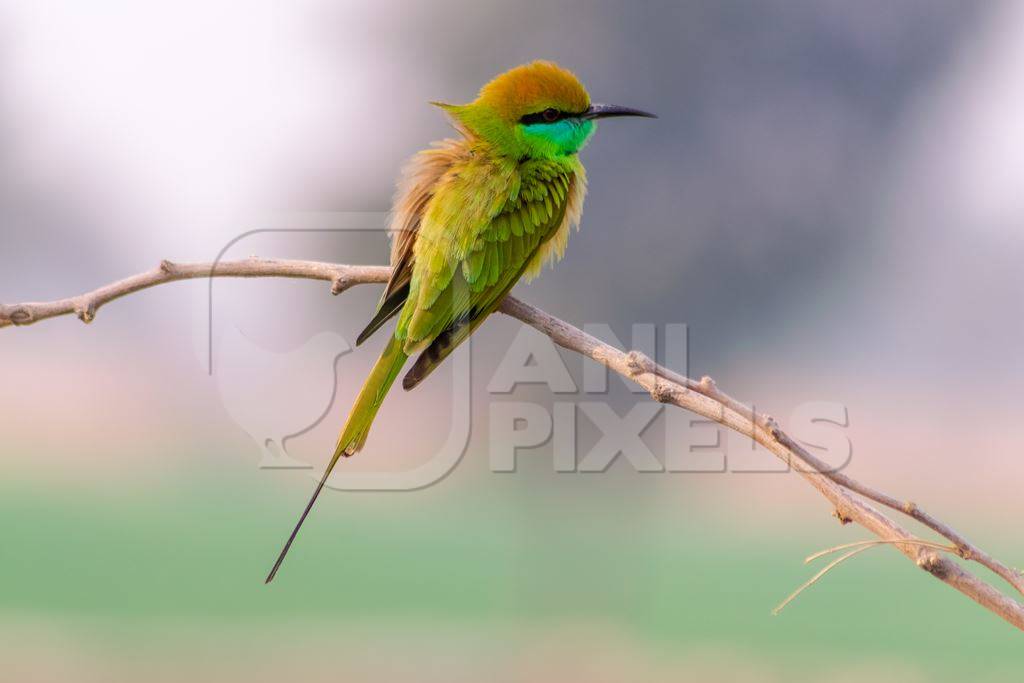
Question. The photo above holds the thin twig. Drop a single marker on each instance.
(857, 544)
(702, 397)
(814, 579)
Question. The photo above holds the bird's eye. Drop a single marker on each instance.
(549, 115)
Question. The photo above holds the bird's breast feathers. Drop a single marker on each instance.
(448, 196)
(468, 225)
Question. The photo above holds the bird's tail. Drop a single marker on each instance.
(357, 427)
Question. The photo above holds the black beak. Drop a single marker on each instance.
(607, 111)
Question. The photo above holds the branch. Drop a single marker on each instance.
(848, 496)
(86, 305)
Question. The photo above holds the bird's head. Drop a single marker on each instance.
(537, 110)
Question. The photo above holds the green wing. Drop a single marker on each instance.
(450, 296)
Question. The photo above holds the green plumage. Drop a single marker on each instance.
(443, 316)
(369, 400)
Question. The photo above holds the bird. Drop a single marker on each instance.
(471, 217)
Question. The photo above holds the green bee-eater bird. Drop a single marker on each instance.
(470, 218)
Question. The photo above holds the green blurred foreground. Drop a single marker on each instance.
(98, 584)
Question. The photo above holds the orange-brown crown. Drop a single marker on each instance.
(533, 87)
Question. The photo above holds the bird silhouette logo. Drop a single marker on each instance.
(247, 373)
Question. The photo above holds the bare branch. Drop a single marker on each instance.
(702, 397)
(86, 305)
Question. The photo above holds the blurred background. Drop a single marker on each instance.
(830, 201)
